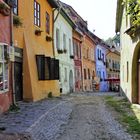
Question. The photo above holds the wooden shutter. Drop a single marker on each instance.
(56, 69)
(47, 68)
(40, 61)
(52, 64)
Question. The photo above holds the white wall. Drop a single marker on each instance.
(65, 61)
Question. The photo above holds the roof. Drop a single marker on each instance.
(119, 13)
(53, 3)
(77, 19)
(65, 15)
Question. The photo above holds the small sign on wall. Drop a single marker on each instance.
(11, 52)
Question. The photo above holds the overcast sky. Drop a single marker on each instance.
(100, 15)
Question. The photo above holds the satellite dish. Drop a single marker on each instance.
(11, 3)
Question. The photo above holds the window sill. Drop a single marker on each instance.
(4, 91)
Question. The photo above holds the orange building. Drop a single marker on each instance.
(88, 61)
(34, 39)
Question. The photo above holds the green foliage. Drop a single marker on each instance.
(50, 95)
(17, 21)
(2, 6)
(133, 10)
(14, 108)
(128, 115)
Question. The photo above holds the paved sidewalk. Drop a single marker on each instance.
(39, 120)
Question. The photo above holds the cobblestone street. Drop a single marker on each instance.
(75, 117)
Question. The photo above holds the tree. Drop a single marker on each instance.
(133, 10)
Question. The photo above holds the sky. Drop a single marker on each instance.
(100, 15)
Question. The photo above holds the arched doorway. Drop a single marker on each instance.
(136, 75)
(71, 81)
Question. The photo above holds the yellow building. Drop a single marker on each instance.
(35, 37)
(113, 70)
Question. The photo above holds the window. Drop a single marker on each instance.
(36, 13)
(15, 9)
(98, 53)
(47, 23)
(79, 51)
(64, 41)
(88, 74)
(127, 71)
(103, 57)
(65, 74)
(103, 75)
(57, 38)
(85, 75)
(3, 68)
(70, 49)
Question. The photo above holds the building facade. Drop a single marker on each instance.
(77, 46)
(63, 43)
(88, 62)
(101, 72)
(5, 64)
(130, 48)
(113, 70)
(38, 71)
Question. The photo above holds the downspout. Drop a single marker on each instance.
(12, 63)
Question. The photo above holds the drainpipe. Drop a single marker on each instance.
(12, 63)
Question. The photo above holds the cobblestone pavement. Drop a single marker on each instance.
(75, 117)
(91, 120)
(33, 120)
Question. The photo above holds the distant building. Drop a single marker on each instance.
(77, 46)
(101, 51)
(87, 49)
(113, 70)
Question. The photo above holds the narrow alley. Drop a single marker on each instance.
(91, 120)
(72, 117)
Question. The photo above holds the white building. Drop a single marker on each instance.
(130, 56)
(63, 49)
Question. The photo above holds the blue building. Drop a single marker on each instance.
(101, 51)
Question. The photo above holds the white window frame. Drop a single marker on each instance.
(57, 38)
(3, 63)
(64, 41)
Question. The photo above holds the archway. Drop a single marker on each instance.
(71, 81)
(136, 75)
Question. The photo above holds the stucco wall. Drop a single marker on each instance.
(65, 61)
(88, 62)
(6, 97)
(100, 67)
(128, 47)
(33, 89)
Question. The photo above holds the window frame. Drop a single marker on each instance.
(57, 38)
(47, 23)
(16, 7)
(37, 19)
(64, 41)
(3, 61)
